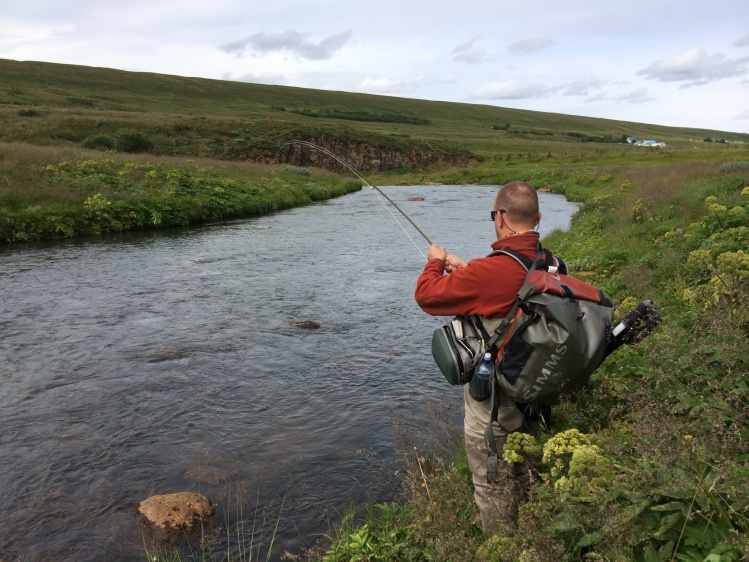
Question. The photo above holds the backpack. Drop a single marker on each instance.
(458, 347)
(556, 334)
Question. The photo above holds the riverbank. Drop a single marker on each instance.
(49, 192)
(650, 462)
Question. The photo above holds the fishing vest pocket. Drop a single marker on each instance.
(457, 348)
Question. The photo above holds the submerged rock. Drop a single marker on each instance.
(163, 353)
(176, 511)
(307, 325)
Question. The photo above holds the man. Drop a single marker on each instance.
(487, 287)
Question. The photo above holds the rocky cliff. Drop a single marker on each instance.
(366, 157)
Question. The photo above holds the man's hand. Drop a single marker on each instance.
(437, 252)
(454, 262)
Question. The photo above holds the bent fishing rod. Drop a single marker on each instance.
(357, 174)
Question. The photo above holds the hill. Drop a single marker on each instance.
(65, 104)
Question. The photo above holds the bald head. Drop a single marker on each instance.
(520, 201)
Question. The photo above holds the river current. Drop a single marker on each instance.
(159, 362)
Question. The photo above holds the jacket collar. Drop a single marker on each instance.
(521, 242)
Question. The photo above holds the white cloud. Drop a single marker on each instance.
(387, 86)
(511, 90)
(640, 95)
(532, 45)
(695, 67)
(601, 96)
(468, 52)
(743, 115)
(449, 79)
(743, 42)
(289, 40)
(582, 87)
(265, 78)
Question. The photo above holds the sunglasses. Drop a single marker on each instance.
(495, 213)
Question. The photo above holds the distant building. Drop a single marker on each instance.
(651, 143)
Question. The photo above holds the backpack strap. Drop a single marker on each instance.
(542, 261)
(498, 399)
(547, 259)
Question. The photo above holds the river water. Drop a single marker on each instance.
(169, 361)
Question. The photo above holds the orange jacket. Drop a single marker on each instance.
(487, 286)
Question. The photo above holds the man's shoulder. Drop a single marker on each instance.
(496, 262)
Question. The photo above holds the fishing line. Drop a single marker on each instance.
(366, 181)
(403, 229)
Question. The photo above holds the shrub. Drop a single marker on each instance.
(81, 101)
(28, 112)
(130, 140)
(102, 122)
(735, 166)
(363, 116)
(289, 169)
(98, 142)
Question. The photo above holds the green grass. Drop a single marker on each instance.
(246, 533)
(67, 97)
(60, 193)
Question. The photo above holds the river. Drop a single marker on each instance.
(159, 362)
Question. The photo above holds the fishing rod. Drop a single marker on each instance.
(357, 174)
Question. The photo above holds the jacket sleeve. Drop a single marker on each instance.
(447, 295)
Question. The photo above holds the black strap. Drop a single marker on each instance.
(544, 260)
(540, 261)
(545, 257)
(530, 266)
(522, 259)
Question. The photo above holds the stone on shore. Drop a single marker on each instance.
(182, 510)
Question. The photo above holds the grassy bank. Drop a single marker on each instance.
(650, 462)
(49, 192)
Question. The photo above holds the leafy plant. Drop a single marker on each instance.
(130, 140)
(98, 142)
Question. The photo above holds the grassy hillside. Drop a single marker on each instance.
(67, 97)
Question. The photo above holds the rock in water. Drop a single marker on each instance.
(176, 511)
(416, 199)
(163, 353)
(308, 325)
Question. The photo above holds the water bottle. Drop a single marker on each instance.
(481, 384)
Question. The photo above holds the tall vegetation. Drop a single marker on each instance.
(53, 193)
(362, 116)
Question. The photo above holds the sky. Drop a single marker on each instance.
(680, 63)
